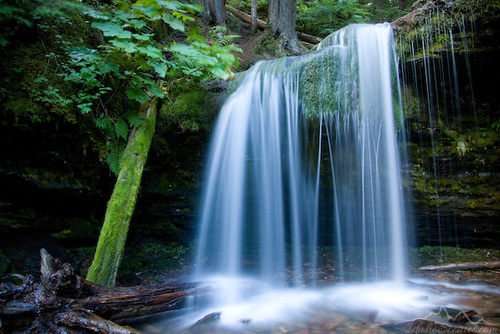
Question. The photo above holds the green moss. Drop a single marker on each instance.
(270, 46)
(434, 255)
(122, 203)
(433, 21)
(77, 229)
(192, 110)
(153, 257)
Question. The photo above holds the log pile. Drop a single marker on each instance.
(65, 303)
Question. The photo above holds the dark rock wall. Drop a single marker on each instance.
(450, 76)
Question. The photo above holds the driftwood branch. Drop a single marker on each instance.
(65, 302)
(307, 40)
(487, 265)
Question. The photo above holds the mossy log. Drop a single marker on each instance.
(122, 202)
(65, 303)
(485, 265)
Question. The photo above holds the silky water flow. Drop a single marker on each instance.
(283, 140)
(306, 164)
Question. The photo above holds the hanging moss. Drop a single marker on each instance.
(433, 21)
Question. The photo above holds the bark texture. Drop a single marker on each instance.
(254, 16)
(214, 12)
(122, 203)
(282, 22)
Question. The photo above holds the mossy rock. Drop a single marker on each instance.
(192, 110)
(435, 255)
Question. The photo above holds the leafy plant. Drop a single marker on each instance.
(133, 63)
(496, 125)
(322, 17)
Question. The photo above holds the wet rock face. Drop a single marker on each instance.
(449, 66)
(54, 190)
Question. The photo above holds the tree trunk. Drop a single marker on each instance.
(122, 203)
(282, 17)
(254, 16)
(214, 12)
(379, 9)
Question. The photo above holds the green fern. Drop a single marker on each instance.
(218, 35)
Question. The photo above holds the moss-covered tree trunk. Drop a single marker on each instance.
(122, 203)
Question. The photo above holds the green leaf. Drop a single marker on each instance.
(124, 16)
(137, 94)
(220, 73)
(114, 159)
(151, 12)
(128, 47)
(193, 7)
(103, 122)
(40, 79)
(169, 4)
(82, 53)
(121, 129)
(228, 58)
(205, 60)
(143, 37)
(107, 67)
(138, 24)
(174, 23)
(111, 29)
(134, 120)
(96, 14)
(85, 108)
(160, 68)
(183, 49)
(156, 90)
(150, 51)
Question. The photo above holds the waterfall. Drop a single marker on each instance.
(306, 156)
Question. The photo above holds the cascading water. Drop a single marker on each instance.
(306, 164)
(269, 200)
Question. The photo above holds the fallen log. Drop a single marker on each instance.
(245, 17)
(486, 265)
(66, 301)
(308, 40)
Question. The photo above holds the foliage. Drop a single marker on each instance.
(496, 125)
(16, 14)
(10, 15)
(132, 63)
(386, 10)
(153, 257)
(322, 17)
